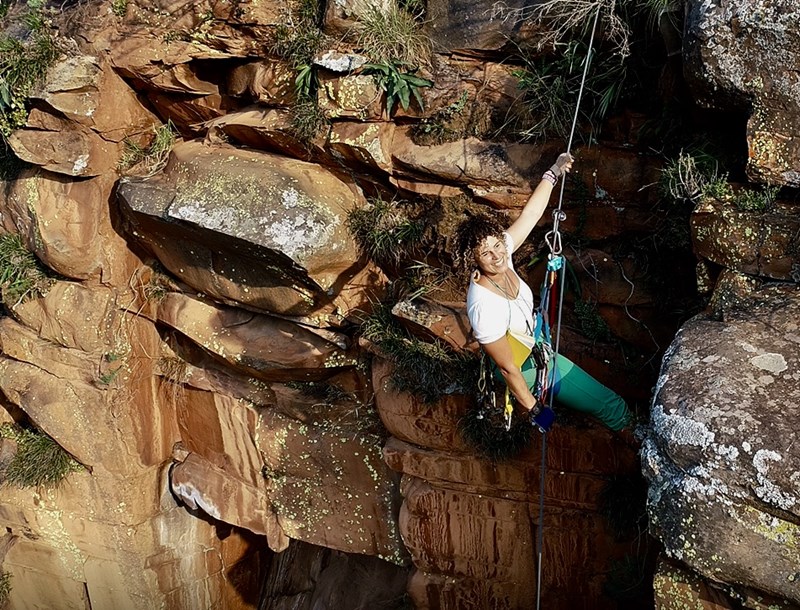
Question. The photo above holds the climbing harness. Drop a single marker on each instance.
(555, 264)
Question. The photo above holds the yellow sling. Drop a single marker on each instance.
(521, 347)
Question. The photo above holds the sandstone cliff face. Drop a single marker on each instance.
(197, 351)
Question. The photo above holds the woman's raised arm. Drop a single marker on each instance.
(537, 203)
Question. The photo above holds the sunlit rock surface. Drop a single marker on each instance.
(258, 229)
(722, 456)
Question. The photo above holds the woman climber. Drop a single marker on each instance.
(500, 308)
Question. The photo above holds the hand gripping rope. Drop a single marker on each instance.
(554, 265)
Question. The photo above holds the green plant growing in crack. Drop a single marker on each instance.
(146, 161)
(119, 7)
(756, 200)
(593, 326)
(446, 124)
(5, 587)
(398, 86)
(297, 41)
(39, 461)
(24, 62)
(425, 369)
(385, 232)
(22, 275)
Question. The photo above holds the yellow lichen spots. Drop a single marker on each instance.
(337, 359)
(52, 529)
(756, 83)
(785, 533)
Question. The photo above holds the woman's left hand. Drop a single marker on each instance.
(562, 165)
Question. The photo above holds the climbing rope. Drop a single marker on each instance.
(553, 240)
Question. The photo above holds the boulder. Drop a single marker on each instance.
(362, 146)
(268, 82)
(86, 91)
(350, 96)
(676, 586)
(326, 479)
(342, 16)
(444, 321)
(68, 225)
(720, 455)
(743, 54)
(135, 547)
(200, 484)
(763, 244)
(264, 346)
(83, 112)
(63, 146)
(308, 576)
(252, 228)
(493, 172)
(71, 394)
(89, 328)
(268, 129)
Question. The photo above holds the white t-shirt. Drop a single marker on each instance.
(491, 315)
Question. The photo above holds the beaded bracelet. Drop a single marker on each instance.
(550, 177)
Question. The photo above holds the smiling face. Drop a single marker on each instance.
(491, 256)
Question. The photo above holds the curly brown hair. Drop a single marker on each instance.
(468, 235)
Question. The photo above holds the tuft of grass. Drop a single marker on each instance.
(308, 119)
(485, 430)
(300, 38)
(385, 232)
(39, 461)
(22, 275)
(393, 36)
(147, 161)
(428, 370)
(174, 369)
(549, 90)
(24, 62)
(176, 373)
(563, 18)
(756, 200)
(298, 41)
(691, 176)
(5, 587)
(421, 279)
(119, 7)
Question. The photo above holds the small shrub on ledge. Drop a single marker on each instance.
(39, 462)
(22, 275)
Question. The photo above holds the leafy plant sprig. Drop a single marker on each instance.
(398, 86)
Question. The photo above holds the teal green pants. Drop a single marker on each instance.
(574, 388)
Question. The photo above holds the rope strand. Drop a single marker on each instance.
(553, 239)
